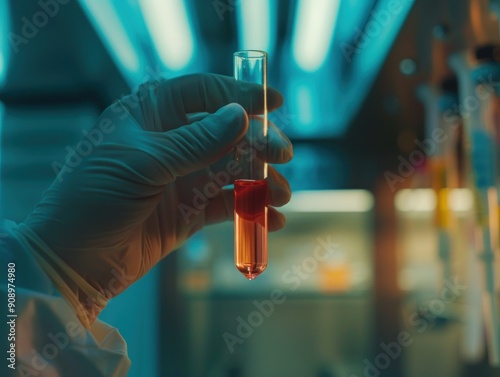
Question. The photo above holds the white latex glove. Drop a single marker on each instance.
(115, 209)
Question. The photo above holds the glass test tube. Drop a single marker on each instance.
(250, 191)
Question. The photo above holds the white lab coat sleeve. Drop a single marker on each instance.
(41, 334)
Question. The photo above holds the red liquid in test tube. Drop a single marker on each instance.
(250, 200)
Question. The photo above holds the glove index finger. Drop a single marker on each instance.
(206, 92)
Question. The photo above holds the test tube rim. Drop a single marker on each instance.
(245, 54)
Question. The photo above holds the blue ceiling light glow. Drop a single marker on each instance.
(307, 80)
(353, 15)
(379, 33)
(313, 32)
(311, 103)
(105, 19)
(257, 23)
(4, 45)
(170, 29)
(305, 105)
(340, 74)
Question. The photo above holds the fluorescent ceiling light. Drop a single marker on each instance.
(255, 20)
(4, 46)
(313, 32)
(169, 27)
(330, 201)
(116, 39)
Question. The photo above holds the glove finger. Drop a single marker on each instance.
(221, 209)
(275, 148)
(275, 220)
(225, 171)
(207, 93)
(279, 151)
(190, 148)
(279, 146)
(279, 188)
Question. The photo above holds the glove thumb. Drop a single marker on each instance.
(198, 145)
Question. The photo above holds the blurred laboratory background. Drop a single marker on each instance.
(389, 262)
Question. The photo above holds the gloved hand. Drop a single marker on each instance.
(131, 193)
